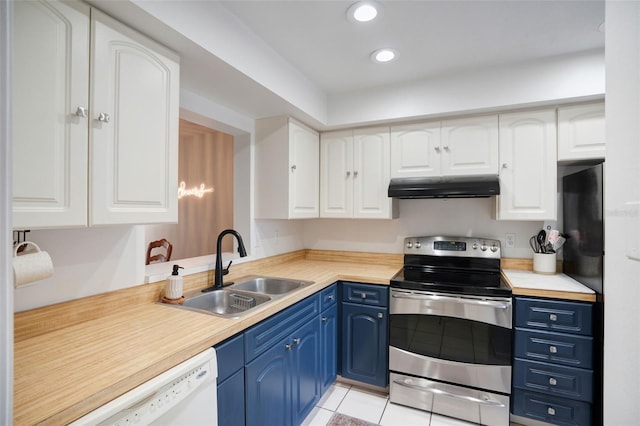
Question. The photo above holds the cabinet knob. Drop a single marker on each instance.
(551, 411)
(380, 315)
(437, 148)
(82, 112)
(104, 117)
(553, 349)
(348, 173)
(553, 317)
(446, 147)
(296, 341)
(293, 167)
(330, 297)
(355, 173)
(552, 381)
(363, 295)
(288, 347)
(325, 319)
(504, 165)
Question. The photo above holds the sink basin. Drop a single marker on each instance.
(269, 285)
(227, 303)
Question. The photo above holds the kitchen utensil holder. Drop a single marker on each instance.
(544, 263)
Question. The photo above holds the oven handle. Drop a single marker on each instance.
(489, 402)
(466, 301)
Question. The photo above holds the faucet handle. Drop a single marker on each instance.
(225, 271)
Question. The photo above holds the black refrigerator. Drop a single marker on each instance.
(583, 254)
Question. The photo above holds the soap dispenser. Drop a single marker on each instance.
(174, 284)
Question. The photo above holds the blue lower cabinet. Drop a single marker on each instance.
(550, 409)
(231, 400)
(282, 384)
(328, 347)
(365, 355)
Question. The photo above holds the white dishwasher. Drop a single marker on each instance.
(184, 395)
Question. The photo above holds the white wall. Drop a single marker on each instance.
(453, 217)
(6, 182)
(622, 227)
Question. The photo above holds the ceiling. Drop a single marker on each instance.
(261, 58)
(432, 37)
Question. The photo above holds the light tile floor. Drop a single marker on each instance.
(372, 407)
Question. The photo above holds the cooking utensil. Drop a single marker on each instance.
(533, 243)
(541, 238)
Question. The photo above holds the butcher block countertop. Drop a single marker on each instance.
(71, 358)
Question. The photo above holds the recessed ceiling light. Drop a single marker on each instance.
(363, 11)
(383, 55)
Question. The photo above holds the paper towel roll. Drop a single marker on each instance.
(31, 267)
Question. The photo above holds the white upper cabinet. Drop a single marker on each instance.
(470, 146)
(460, 147)
(528, 173)
(134, 127)
(355, 173)
(287, 170)
(96, 126)
(415, 150)
(581, 132)
(50, 142)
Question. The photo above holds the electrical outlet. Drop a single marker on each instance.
(509, 240)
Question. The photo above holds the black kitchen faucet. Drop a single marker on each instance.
(220, 271)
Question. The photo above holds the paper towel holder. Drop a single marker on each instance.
(20, 237)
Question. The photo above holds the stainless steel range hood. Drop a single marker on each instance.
(444, 187)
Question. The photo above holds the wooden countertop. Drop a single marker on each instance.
(73, 357)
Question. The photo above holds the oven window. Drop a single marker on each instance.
(451, 339)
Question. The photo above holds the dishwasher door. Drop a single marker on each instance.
(184, 395)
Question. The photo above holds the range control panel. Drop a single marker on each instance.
(453, 246)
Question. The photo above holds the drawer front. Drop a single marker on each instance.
(368, 294)
(549, 409)
(566, 382)
(264, 335)
(230, 354)
(554, 315)
(557, 348)
(328, 297)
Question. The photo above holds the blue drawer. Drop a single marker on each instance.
(557, 411)
(367, 294)
(554, 315)
(328, 297)
(230, 354)
(264, 335)
(557, 348)
(566, 382)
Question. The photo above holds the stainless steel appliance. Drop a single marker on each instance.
(450, 330)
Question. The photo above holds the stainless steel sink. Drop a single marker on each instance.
(227, 303)
(269, 285)
(239, 299)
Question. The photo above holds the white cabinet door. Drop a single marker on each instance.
(470, 146)
(336, 174)
(528, 185)
(371, 174)
(134, 127)
(50, 81)
(581, 132)
(354, 174)
(415, 150)
(286, 170)
(304, 185)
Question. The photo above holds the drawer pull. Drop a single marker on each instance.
(553, 349)
(330, 297)
(553, 317)
(551, 411)
(363, 295)
(552, 381)
(380, 315)
(325, 319)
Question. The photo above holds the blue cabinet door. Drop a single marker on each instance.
(305, 374)
(328, 347)
(365, 343)
(231, 400)
(268, 386)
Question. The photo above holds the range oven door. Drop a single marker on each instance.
(459, 339)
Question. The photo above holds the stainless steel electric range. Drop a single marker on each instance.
(450, 330)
